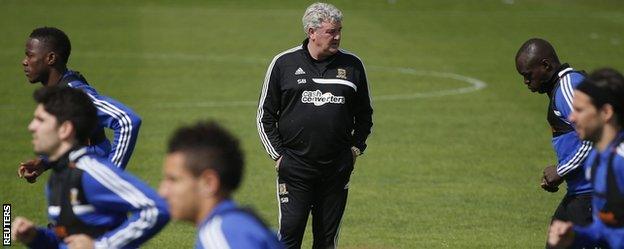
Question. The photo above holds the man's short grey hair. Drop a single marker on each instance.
(318, 13)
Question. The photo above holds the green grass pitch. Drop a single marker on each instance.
(454, 171)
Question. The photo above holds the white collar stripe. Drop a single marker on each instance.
(211, 235)
(564, 71)
(566, 89)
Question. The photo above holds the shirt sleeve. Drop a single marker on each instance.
(576, 159)
(363, 113)
(563, 103)
(269, 107)
(587, 237)
(46, 238)
(113, 191)
(124, 122)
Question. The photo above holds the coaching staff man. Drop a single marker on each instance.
(539, 65)
(599, 117)
(47, 53)
(314, 116)
(91, 202)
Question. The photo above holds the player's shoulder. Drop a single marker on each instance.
(351, 57)
(241, 222)
(91, 163)
(571, 78)
(348, 54)
(620, 151)
(287, 55)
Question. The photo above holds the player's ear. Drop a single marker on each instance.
(311, 32)
(209, 183)
(65, 130)
(546, 64)
(607, 113)
(51, 58)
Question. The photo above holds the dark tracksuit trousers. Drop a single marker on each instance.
(320, 189)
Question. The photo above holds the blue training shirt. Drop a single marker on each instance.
(115, 199)
(597, 233)
(114, 115)
(227, 226)
(571, 151)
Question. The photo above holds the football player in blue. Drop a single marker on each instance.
(91, 202)
(599, 116)
(47, 54)
(203, 167)
(539, 65)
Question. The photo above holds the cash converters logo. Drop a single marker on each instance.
(319, 98)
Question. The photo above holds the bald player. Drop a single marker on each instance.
(539, 65)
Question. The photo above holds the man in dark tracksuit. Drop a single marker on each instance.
(314, 116)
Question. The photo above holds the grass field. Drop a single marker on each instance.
(454, 171)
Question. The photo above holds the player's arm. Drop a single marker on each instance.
(563, 102)
(363, 114)
(118, 192)
(33, 168)
(576, 159)
(588, 236)
(124, 122)
(34, 237)
(268, 112)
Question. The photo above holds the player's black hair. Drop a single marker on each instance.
(54, 39)
(206, 145)
(606, 86)
(68, 104)
(536, 49)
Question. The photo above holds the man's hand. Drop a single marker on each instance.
(30, 170)
(356, 152)
(547, 187)
(79, 241)
(551, 180)
(23, 230)
(277, 164)
(560, 234)
(551, 176)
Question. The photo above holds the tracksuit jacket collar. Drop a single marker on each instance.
(70, 156)
(224, 206)
(555, 77)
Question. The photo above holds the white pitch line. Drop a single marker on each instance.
(475, 84)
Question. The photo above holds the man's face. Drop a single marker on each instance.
(36, 61)
(180, 188)
(327, 37)
(45, 132)
(535, 74)
(586, 118)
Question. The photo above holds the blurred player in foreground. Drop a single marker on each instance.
(599, 116)
(203, 167)
(91, 202)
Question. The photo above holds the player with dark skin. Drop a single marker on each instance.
(538, 64)
(41, 64)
